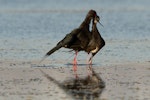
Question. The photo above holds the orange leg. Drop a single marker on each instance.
(89, 64)
(75, 62)
(89, 59)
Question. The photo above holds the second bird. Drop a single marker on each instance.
(96, 42)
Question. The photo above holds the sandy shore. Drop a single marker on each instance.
(23, 81)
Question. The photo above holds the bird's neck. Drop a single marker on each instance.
(86, 23)
(95, 31)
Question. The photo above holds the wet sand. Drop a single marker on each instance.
(28, 29)
(26, 81)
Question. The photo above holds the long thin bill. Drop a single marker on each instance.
(100, 24)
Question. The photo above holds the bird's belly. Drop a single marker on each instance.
(94, 50)
(91, 49)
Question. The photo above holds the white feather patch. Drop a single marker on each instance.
(95, 50)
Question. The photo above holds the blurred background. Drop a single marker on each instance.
(30, 28)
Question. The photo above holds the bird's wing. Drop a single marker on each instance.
(69, 39)
(84, 38)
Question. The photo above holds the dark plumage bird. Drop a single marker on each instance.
(78, 39)
(96, 42)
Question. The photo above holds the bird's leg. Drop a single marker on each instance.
(89, 64)
(75, 62)
(90, 59)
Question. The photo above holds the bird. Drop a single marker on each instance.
(96, 42)
(77, 40)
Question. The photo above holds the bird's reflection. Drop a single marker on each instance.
(89, 69)
(87, 88)
(82, 88)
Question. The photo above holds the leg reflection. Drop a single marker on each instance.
(75, 72)
(89, 70)
(88, 88)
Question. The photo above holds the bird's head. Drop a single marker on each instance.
(97, 20)
(91, 14)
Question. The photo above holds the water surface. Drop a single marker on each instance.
(28, 29)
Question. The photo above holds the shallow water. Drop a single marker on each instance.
(28, 29)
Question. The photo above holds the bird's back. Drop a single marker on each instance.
(77, 40)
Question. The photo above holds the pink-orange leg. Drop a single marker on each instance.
(89, 64)
(75, 62)
(75, 65)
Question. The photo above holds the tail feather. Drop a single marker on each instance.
(67, 40)
(53, 50)
(50, 52)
